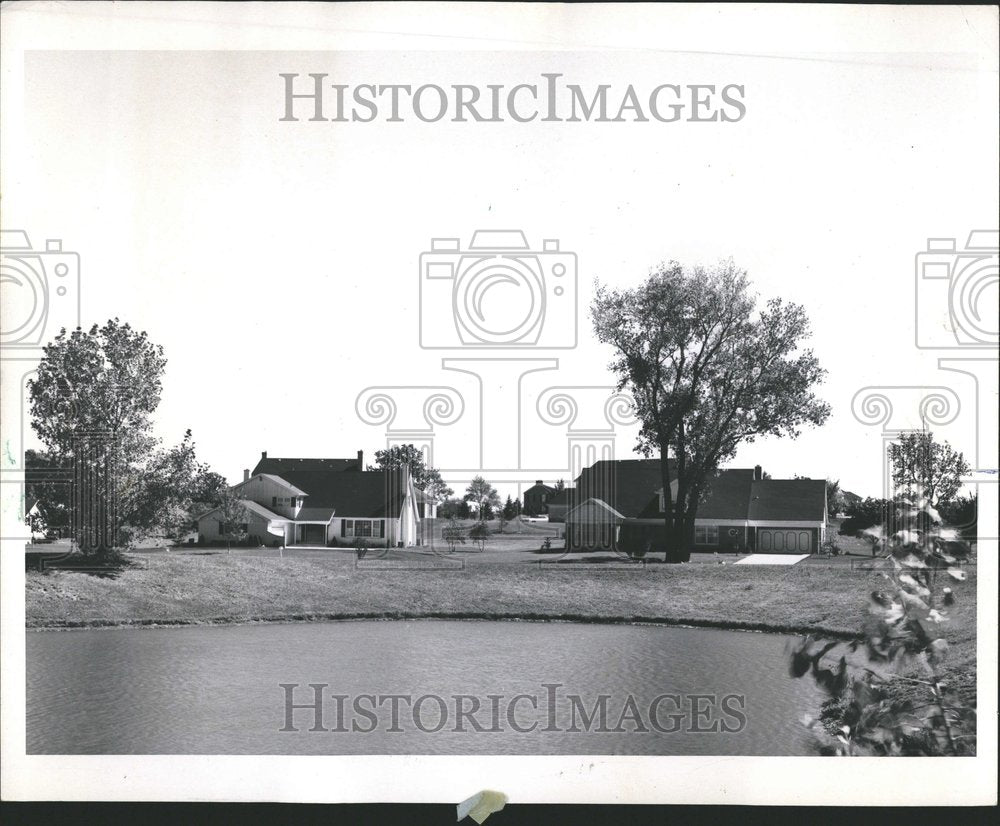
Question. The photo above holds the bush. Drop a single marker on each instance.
(360, 545)
(479, 534)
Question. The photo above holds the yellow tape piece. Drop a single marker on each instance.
(480, 806)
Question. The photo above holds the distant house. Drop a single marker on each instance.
(620, 504)
(536, 499)
(324, 502)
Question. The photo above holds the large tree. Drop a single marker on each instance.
(177, 487)
(484, 496)
(708, 371)
(425, 478)
(922, 467)
(95, 393)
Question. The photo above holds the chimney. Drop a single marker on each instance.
(539, 481)
(246, 474)
(758, 474)
(361, 460)
(263, 454)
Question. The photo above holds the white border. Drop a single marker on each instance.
(969, 32)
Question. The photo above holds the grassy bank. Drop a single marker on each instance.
(171, 589)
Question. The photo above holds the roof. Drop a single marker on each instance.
(314, 515)
(632, 485)
(277, 479)
(775, 500)
(539, 488)
(728, 495)
(279, 467)
(250, 505)
(362, 494)
(594, 506)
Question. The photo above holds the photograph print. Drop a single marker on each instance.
(588, 383)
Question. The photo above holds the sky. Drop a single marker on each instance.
(278, 263)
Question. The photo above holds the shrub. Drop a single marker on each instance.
(866, 714)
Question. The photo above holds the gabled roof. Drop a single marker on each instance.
(787, 499)
(540, 488)
(363, 494)
(280, 467)
(276, 479)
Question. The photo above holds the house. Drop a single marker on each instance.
(621, 504)
(536, 499)
(324, 502)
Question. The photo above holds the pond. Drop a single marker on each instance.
(414, 687)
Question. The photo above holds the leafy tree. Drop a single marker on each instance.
(962, 513)
(560, 485)
(177, 487)
(708, 372)
(484, 496)
(425, 478)
(479, 534)
(449, 508)
(106, 380)
(865, 713)
(866, 514)
(922, 467)
(47, 483)
(233, 518)
(453, 534)
(834, 498)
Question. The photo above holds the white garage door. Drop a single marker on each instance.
(784, 541)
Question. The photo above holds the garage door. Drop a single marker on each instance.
(781, 541)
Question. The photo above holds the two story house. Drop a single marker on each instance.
(324, 502)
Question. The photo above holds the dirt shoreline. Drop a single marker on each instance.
(485, 616)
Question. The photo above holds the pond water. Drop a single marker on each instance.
(459, 688)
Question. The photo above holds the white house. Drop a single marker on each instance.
(325, 502)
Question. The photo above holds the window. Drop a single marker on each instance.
(706, 535)
(362, 527)
(274, 501)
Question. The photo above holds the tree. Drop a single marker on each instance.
(453, 534)
(104, 381)
(509, 510)
(923, 468)
(425, 478)
(962, 513)
(560, 485)
(233, 518)
(176, 488)
(46, 483)
(479, 533)
(707, 372)
(834, 498)
(484, 496)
